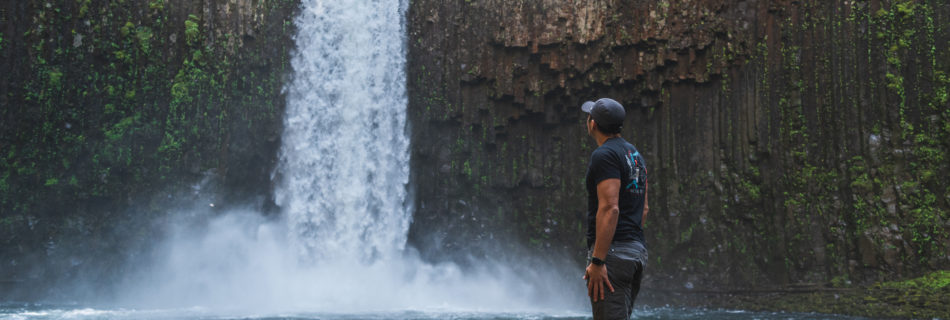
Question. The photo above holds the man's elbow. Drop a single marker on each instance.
(610, 210)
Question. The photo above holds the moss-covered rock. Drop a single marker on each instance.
(112, 109)
(925, 297)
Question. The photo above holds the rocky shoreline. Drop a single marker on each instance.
(926, 297)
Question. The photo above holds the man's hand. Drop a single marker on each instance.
(596, 277)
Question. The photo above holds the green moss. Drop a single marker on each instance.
(120, 129)
(144, 37)
(467, 169)
(54, 76)
(156, 5)
(191, 29)
(83, 7)
(122, 56)
(862, 183)
(749, 189)
(102, 116)
(127, 29)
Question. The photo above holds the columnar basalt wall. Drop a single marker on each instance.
(788, 142)
(114, 112)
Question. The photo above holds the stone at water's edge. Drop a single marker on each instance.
(788, 142)
(926, 297)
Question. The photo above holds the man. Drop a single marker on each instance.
(617, 207)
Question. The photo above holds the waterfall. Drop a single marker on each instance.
(339, 244)
(344, 158)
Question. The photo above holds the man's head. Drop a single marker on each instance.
(606, 113)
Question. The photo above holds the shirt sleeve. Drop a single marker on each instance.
(603, 167)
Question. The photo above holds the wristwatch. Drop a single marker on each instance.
(596, 261)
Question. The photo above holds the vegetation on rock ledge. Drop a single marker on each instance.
(113, 107)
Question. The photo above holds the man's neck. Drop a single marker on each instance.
(601, 138)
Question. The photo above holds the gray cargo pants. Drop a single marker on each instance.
(625, 263)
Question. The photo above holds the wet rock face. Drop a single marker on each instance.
(780, 136)
(114, 113)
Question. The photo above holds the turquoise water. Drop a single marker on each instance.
(30, 311)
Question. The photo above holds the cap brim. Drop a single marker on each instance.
(587, 106)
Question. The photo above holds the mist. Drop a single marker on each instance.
(243, 262)
(339, 242)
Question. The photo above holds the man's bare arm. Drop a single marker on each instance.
(646, 203)
(608, 212)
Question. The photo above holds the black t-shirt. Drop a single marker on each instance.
(618, 159)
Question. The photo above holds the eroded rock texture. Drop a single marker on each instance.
(788, 141)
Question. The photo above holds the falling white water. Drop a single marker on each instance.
(339, 245)
(345, 155)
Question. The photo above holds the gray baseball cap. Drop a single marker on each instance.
(608, 113)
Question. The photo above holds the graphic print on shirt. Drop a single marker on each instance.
(637, 174)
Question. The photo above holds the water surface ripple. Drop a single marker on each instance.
(40, 312)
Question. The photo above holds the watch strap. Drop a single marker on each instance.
(597, 261)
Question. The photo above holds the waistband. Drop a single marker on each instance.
(626, 250)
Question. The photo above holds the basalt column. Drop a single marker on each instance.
(787, 141)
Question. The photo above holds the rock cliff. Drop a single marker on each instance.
(788, 142)
(116, 111)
